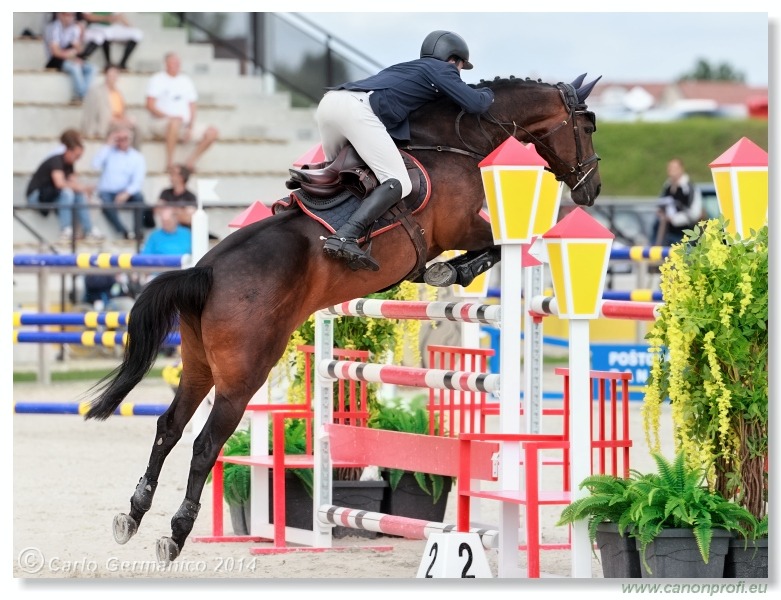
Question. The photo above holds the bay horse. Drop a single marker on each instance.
(237, 307)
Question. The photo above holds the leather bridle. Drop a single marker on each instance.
(574, 108)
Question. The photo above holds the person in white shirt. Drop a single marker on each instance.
(171, 101)
(63, 45)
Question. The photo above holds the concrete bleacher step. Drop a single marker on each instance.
(34, 121)
(224, 156)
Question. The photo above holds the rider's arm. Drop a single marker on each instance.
(472, 100)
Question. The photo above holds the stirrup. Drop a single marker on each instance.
(338, 247)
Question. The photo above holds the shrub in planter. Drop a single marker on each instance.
(675, 504)
(711, 340)
(606, 510)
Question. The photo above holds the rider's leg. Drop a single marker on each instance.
(344, 243)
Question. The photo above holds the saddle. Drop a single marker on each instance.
(347, 171)
(330, 192)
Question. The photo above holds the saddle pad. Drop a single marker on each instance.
(334, 212)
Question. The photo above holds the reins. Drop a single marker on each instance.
(574, 106)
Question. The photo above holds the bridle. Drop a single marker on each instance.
(574, 108)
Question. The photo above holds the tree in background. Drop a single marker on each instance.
(705, 71)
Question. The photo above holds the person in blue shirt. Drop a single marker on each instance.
(122, 172)
(170, 237)
(373, 112)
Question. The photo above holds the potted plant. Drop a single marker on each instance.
(711, 340)
(236, 478)
(606, 509)
(682, 528)
(416, 495)
(747, 555)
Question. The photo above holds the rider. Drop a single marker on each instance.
(373, 112)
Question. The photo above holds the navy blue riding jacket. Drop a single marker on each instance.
(405, 87)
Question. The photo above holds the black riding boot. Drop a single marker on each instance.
(129, 47)
(88, 50)
(344, 243)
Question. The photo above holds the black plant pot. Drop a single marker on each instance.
(674, 554)
(240, 518)
(618, 554)
(363, 495)
(409, 500)
(746, 560)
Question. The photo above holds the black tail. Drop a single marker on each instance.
(151, 319)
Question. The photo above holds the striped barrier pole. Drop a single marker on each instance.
(464, 312)
(409, 376)
(102, 260)
(91, 319)
(83, 338)
(126, 409)
(406, 527)
(609, 309)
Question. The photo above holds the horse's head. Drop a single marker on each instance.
(556, 120)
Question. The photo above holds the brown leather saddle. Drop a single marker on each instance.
(330, 192)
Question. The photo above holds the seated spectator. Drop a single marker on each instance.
(171, 101)
(104, 28)
(105, 108)
(68, 139)
(178, 194)
(63, 45)
(170, 237)
(55, 182)
(122, 172)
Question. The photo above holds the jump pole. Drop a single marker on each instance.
(577, 250)
(200, 246)
(520, 203)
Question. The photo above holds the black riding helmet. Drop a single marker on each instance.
(444, 44)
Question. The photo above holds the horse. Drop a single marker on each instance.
(238, 306)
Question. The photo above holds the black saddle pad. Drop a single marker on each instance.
(333, 212)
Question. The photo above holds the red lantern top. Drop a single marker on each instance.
(744, 153)
(312, 156)
(578, 225)
(512, 153)
(257, 211)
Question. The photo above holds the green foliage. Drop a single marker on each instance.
(705, 71)
(608, 502)
(408, 417)
(714, 327)
(635, 155)
(675, 497)
(236, 478)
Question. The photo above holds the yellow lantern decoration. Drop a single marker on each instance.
(523, 198)
(740, 177)
(578, 250)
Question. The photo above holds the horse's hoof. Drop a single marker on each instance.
(440, 274)
(167, 551)
(125, 527)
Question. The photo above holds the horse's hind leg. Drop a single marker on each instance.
(225, 416)
(194, 385)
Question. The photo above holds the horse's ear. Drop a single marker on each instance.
(579, 81)
(584, 91)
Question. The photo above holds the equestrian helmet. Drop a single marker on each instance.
(444, 44)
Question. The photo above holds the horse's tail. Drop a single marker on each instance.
(151, 319)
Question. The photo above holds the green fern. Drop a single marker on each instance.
(675, 497)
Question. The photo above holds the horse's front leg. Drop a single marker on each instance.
(170, 426)
(462, 269)
(222, 422)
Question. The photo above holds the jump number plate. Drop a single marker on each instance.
(455, 556)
